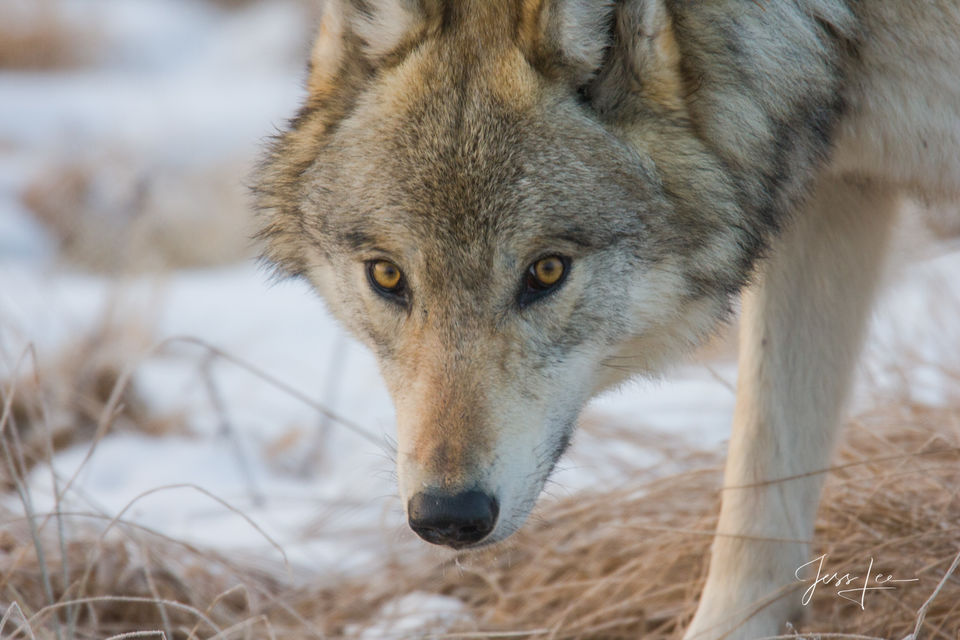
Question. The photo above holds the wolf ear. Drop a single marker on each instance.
(610, 47)
(644, 60)
(327, 54)
(570, 37)
(373, 29)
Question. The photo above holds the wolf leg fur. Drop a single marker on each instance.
(802, 328)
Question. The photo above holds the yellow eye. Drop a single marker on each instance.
(543, 278)
(385, 276)
(548, 271)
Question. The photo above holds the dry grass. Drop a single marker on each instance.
(629, 562)
(38, 35)
(625, 562)
(34, 35)
(112, 213)
(131, 580)
(68, 399)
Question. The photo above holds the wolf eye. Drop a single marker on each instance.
(385, 277)
(543, 277)
(548, 271)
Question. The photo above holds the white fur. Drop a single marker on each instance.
(800, 334)
(803, 323)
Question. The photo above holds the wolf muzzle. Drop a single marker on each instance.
(456, 520)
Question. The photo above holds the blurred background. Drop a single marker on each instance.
(128, 127)
(192, 449)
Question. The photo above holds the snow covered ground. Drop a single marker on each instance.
(181, 83)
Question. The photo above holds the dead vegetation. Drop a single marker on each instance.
(36, 35)
(69, 399)
(112, 213)
(40, 35)
(622, 562)
(629, 562)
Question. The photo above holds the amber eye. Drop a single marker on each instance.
(548, 271)
(385, 277)
(543, 277)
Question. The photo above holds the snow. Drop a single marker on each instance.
(181, 82)
(406, 617)
(283, 331)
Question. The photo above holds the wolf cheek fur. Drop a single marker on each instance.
(658, 149)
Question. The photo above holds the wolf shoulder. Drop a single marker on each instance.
(902, 115)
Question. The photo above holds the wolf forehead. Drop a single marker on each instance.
(467, 145)
(486, 173)
(461, 162)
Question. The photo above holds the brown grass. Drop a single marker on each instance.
(629, 562)
(63, 400)
(34, 35)
(622, 562)
(113, 213)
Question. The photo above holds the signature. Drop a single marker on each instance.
(857, 593)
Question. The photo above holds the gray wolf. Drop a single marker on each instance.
(519, 203)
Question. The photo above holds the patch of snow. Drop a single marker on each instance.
(414, 616)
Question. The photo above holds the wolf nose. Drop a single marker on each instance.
(454, 520)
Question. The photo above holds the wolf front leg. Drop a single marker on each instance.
(801, 332)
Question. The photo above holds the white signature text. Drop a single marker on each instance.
(857, 586)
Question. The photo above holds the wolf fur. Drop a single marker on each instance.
(675, 151)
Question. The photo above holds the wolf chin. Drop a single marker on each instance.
(519, 203)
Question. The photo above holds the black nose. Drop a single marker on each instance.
(454, 520)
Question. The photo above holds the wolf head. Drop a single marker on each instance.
(510, 203)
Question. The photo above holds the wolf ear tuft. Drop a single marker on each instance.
(327, 54)
(575, 33)
(371, 29)
(655, 55)
(644, 61)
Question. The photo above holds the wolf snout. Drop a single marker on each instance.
(456, 520)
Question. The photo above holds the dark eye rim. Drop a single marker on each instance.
(532, 289)
(397, 294)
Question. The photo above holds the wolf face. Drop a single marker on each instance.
(509, 203)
